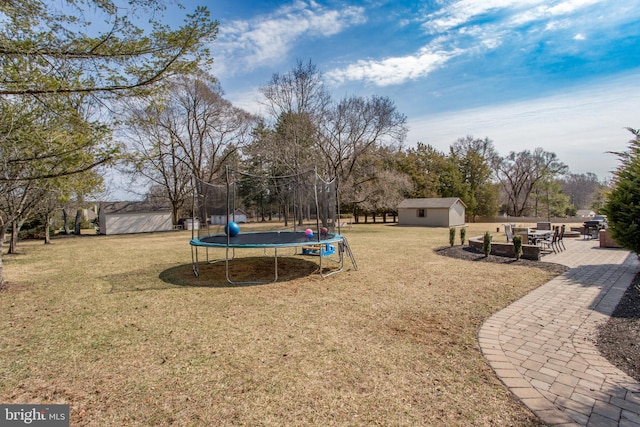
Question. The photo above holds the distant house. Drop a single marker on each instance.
(220, 217)
(585, 213)
(434, 212)
(134, 217)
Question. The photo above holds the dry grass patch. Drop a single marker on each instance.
(118, 327)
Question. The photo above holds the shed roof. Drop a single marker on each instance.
(431, 203)
(132, 207)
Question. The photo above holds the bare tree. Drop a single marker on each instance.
(188, 131)
(375, 185)
(357, 125)
(309, 130)
(581, 189)
(519, 173)
(296, 102)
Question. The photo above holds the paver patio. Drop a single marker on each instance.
(542, 346)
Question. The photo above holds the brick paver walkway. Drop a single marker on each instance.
(542, 346)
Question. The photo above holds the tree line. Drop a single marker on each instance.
(190, 130)
(78, 98)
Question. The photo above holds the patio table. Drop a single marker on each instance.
(536, 235)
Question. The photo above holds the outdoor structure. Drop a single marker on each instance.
(134, 217)
(585, 213)
(220, 217)
(301, 200)
(432, 212)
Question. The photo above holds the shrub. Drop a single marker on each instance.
(517, 246)
(463, 235)
(486, 244)
(452, 236)
(32, 229)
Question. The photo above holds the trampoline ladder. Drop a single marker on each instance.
(348, 249)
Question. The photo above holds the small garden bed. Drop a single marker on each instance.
(505, 249)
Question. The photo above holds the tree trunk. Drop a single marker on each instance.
(65, 218)
(2, 234)
(13, 242)
(78, 224)
(47, 234)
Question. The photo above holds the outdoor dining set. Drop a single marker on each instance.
(549, 238)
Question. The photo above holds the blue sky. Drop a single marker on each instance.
(563, 75)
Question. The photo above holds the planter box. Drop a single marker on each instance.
(531, 252)
(606, 241)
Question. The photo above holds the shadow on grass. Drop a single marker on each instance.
(250, 269)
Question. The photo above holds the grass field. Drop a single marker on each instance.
(119, 328)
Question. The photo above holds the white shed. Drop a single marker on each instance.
(432, 212)
(134, 217)
(238, 216)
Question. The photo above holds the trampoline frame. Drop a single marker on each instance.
(253, 241)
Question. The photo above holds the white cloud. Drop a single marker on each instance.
(393, 70)
(519, 12)
(463, 11)
(267, 39)
(509, 17)
(570, 6)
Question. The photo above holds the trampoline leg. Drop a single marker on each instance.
(194, 261)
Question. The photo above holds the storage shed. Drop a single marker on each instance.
(134, 217)
(220, 217)
(432, 212)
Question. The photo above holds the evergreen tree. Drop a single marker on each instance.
(623, 204)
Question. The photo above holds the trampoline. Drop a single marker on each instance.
(298, 200)
(322, 245)
(266, 239)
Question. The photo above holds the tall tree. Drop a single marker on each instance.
(549, 200)
(475, 157)
(623, 204)
(54, 54)
(433, 173)
(310, 130)
(356, 126)
(296, 103)
(376, 185)
(581, 189)
(187, 131)
(519, 173)
(38, 142)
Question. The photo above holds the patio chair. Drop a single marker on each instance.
(552, 242)
(509, 232)
(561, 237)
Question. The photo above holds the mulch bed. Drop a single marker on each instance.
(470, 254)
(618, 339)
